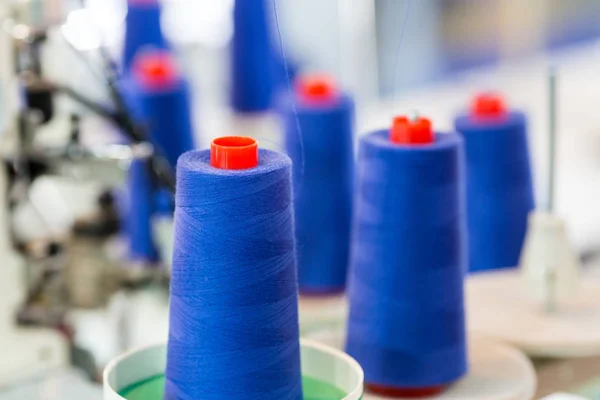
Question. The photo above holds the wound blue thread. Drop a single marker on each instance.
(499, 189)
(142, 247)
(323, 200)
(142, 29)
(167, 115)
(406, 325)
(253, 66)
(164, 203)
(233, 315)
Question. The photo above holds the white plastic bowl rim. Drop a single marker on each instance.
(318, 361)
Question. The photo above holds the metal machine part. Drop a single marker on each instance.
(62, 265)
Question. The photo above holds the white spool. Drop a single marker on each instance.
(496, 371)
(549, 264)
(501, 307)
(318, 361)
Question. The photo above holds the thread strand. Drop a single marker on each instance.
(301, 159)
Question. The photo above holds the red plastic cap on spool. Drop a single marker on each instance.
(155, 69)
(317, 89)
(488, 106)
(414, 393)
(417, 131)
(234, 152)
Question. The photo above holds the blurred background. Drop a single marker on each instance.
(66, 164)
(357, 41)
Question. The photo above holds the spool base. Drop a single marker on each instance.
(500, 306)
(496, 371)
(412, 393)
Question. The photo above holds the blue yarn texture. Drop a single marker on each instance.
(253, 59)
(406, 325)
(142, 247)
(233, 315)
(142, 29)
(167, 113)
(323, 175)
(499, 189)
(164, 203)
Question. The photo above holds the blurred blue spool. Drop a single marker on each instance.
(138, 225)
(164, 103)
(406, 325)
(158, 98)
(253, 60)
(323, 158)
(163, 202)
(233, 330)
(499, 188)
(121, 195)
(135, 201)
(142, 29)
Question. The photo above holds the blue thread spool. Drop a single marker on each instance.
(138, 225)
(164, 102)
(121, 195)
(135, 201)
(142, 29)
(406, 324)
(163, 202)
(253, 65)
(499, 183)
(323, 172)
(233, 315)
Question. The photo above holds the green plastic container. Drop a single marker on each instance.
(328, 374)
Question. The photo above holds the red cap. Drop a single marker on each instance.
(155, 69)
(488, 106)
(416, 131)
(234, 152)
(316, 88)
(414, 393)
